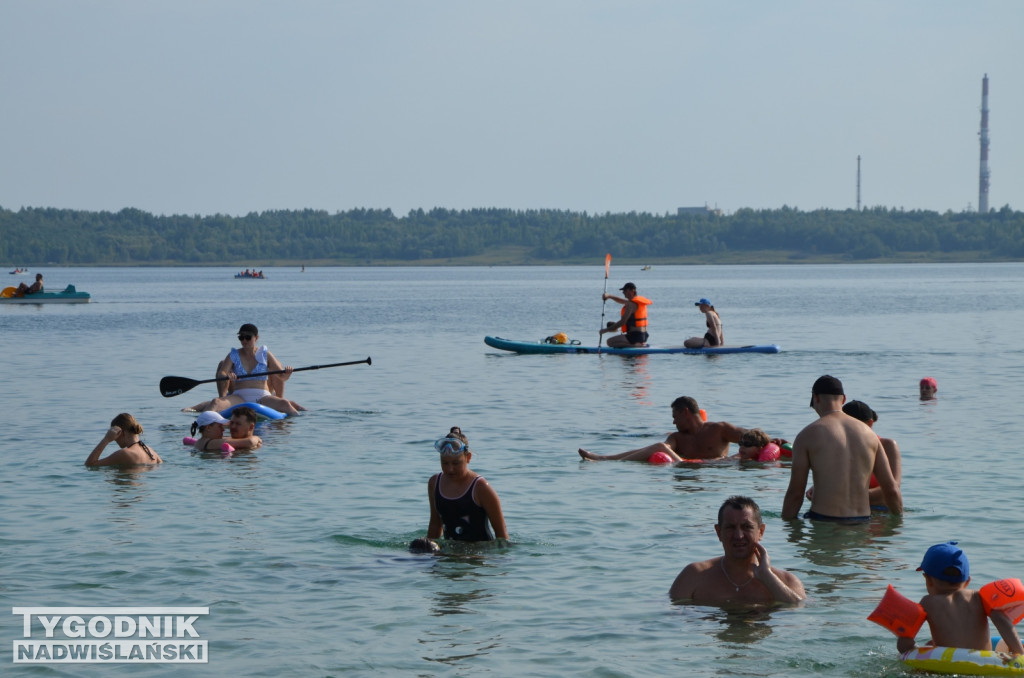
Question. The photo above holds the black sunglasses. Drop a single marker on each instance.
(244, 337)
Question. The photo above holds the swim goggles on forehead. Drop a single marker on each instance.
(449, 446)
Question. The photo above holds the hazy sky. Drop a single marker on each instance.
(207, 106)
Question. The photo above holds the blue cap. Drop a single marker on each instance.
(940, 558)
(704, 301)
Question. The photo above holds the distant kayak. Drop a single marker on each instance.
(543, 347)
(68, 296)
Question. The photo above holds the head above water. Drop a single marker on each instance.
(127, 423)
(249, 328)
(858, 409)
(946, 562)
(738, 503)
(246, 413)
(754, 437)
(454, 442)
(826, 385)
(686, 403)
(928, 387)
(628, 286)
(704, 301)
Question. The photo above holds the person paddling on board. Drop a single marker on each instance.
(743, 575)
(240, 388)
(633, 322)
(694, 438)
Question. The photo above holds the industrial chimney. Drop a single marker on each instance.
(983, 170)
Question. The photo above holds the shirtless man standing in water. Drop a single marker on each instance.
(694, 438)
(743, 575)
(842, 453)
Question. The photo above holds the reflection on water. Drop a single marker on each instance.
(637, 378)
(844, 552)
(743, 626)
(129, 490)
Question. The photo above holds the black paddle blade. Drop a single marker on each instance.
(172, 386)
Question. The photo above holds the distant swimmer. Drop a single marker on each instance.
(928, 387)
(125, 431)
(744, 574)
(694, 438)
(714, 336)
(633, 323)
(842, 453)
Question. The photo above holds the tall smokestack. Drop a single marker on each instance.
(983, 171)
(858, 183)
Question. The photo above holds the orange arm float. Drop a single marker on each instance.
(1006, 595)
(899, 614)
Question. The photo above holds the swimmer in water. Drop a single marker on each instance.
(462, 503)
(125, 431)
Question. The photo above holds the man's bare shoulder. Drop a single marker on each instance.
(688, 580)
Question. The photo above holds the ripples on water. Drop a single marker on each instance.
(299, 550)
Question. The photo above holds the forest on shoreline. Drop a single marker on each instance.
(35, 236)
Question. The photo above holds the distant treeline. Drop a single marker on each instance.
(34, 236)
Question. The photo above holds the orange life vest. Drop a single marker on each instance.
(638, 320)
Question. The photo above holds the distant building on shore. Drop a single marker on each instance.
(682, 211)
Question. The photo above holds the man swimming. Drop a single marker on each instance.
(694, 438)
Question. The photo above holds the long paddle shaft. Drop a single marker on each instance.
(172, 386)
(607, 266)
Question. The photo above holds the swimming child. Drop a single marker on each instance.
(462, 503)
(956, 615)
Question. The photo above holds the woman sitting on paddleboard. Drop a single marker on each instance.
(462, 503)
(125, 431)
(240, 388)
(714, 336)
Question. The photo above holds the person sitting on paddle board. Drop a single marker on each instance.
(34, 288)
(240, 388)
(694, 438)
(210, 426)
(125, 431)
(714, 336)
(462, 503)
(633, 322)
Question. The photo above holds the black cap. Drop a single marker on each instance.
(826, 385)
(858, 409)
(627, 286)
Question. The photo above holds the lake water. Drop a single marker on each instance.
(299, 550)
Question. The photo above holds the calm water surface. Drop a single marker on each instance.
(299, 549)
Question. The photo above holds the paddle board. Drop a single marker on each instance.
(542, 347)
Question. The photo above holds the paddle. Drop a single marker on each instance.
(172, 386)
(607, 266)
